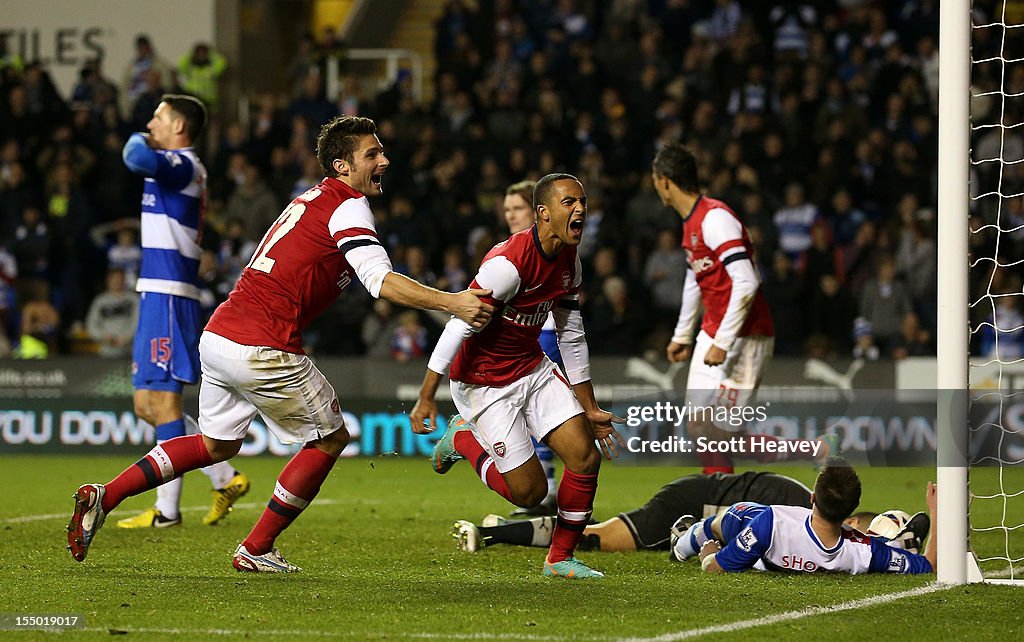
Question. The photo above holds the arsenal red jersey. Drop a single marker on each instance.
(298, 269)
(709, 267)
(508, 348)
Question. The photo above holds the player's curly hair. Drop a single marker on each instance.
(837, 490)
(677, 162)
(191, 109)
(338, 139)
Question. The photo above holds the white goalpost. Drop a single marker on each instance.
(958, 164)
(952, 329)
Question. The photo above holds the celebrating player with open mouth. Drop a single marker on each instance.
(251, 351)
(508, 391)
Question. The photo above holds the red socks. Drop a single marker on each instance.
(168, 460)
(575, 505)
(467, 446)
(297, 485)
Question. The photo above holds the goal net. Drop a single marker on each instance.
(981, 469)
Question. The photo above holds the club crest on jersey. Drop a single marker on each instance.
(693, 239)
(499, 449)
(566, 280)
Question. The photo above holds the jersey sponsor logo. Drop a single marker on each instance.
(798, 563)
(537, 317)
(701, 264)
(344, 280)
(499, 449)
(746, 539)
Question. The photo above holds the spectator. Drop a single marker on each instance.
(40, 323)
(126, 255)
(617, 322)
(409, 339)
(252, 202)
(137, 78)
(915, 341)
(112, 317)
(884, 303)
(664, 271)
(199, 74)
(793, 222)
(786, 296)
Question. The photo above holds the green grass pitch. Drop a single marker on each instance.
(379, 564)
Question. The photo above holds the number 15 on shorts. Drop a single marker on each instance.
(160, 349)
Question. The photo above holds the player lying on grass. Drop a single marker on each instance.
(509, 391)
(671, 510)
(647, 527)
(789, 538)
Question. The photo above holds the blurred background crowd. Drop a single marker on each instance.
(815, 121)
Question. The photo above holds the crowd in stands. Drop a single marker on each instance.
(815, 121)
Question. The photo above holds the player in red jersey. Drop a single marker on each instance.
(736, 337)
(251, 350)
(508, 390)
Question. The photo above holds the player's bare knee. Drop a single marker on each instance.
(585, 460)
(529, 496)
(335, 442)
(221, 450)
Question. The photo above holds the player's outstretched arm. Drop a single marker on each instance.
(465, 305)
(423, 418)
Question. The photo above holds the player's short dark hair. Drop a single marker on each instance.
(523, 189)
(837, 490)
(546, 185)
(338, 139)
(677, 162)
(191, 109)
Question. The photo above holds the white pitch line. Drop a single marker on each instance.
(793, 615)
(185, 509)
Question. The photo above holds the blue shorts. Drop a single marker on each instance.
(737, 517)
(166, 352)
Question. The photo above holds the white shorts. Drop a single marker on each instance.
(505, 418)
(293, 397)
(733, 383)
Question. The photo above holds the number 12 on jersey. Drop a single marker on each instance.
(284, 224)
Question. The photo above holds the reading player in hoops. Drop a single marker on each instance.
(509, 391)
(251, 351)
(789, 538)
(166, 348)
(736, 338)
